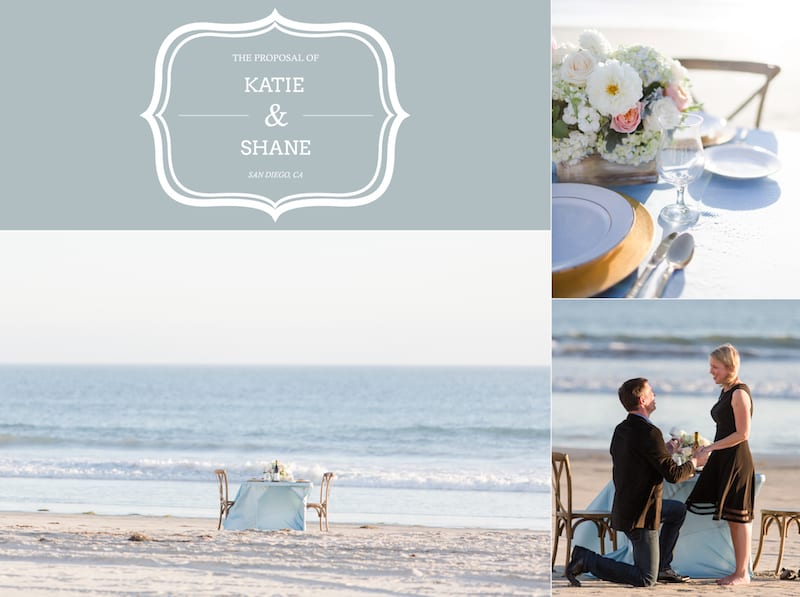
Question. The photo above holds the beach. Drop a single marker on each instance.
(599, 344)
(592, 470)
(44, 553)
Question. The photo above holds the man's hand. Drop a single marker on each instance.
(673, 445)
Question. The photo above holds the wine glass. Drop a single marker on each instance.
(680, 161)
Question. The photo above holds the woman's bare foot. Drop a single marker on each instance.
(734, 579)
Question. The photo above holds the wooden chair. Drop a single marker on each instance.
(224, 503)
(761, 69)
(567, 519)
(783, 520)
(324, 495)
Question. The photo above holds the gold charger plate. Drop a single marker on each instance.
(719, 137)
(716, 130)
(589, 278)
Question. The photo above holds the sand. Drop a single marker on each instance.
(43, 553)
(592, 470)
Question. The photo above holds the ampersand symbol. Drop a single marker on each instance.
(275, 118)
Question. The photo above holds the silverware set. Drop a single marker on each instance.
(675, 252)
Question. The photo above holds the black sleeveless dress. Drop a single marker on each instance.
(726, 487)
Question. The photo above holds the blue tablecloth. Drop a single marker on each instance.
(704, 548)
(269, 505)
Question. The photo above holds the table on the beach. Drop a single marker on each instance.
(746, 238)
(704, 548)
(269, 505)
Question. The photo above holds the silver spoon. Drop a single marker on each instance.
(679, 255)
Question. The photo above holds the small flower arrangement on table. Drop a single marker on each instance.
(686, 444)
(613, 102)
(277, 471)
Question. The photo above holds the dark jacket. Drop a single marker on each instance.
(641, 463)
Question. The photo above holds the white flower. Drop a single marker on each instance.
(613, 87)
(679, 72)
(633, 149)
(561, 51)
(577, 66)
(595, 42)
(572, 148)
(663, 113)
(588, 119)
(591, 84)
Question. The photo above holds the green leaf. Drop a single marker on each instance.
(613, 139)
(560, 130)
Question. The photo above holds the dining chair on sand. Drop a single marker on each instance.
(567, 519)
(783, 519)
(224, 503)
(763, 72)
(324, 495)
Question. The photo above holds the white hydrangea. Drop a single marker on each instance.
(651, 65)
(595, 42)
(613, 87)
(562, 90)
(571, 149)
(633, 149)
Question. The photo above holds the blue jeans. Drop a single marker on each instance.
(646, 546)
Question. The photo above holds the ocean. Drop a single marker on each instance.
(598, 344)
(429, 446)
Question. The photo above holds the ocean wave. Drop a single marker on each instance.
(412, 440)
(775, 347)
(198, 470)
(787, 390)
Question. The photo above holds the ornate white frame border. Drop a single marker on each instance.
(394, 115)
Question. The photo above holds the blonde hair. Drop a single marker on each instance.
(728, 356)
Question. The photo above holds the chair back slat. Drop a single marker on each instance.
(763, 69)
(562, 479)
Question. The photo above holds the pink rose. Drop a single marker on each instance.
(627, 122)
(679, 94)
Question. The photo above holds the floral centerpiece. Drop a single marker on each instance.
(278, 468)
(686, 444)
(612, 103)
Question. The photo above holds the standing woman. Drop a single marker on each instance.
(726, 487)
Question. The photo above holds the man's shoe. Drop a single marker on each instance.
(669, 575)
(577, 565)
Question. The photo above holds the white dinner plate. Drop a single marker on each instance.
(588, 221)
(741, 161)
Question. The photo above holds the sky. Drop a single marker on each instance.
(275, 297)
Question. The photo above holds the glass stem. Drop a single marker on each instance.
(681, 200)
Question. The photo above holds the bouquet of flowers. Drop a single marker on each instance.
(284, 474)
(613, 102)
(686, 446)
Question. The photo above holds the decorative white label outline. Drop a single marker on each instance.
(394, 115)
